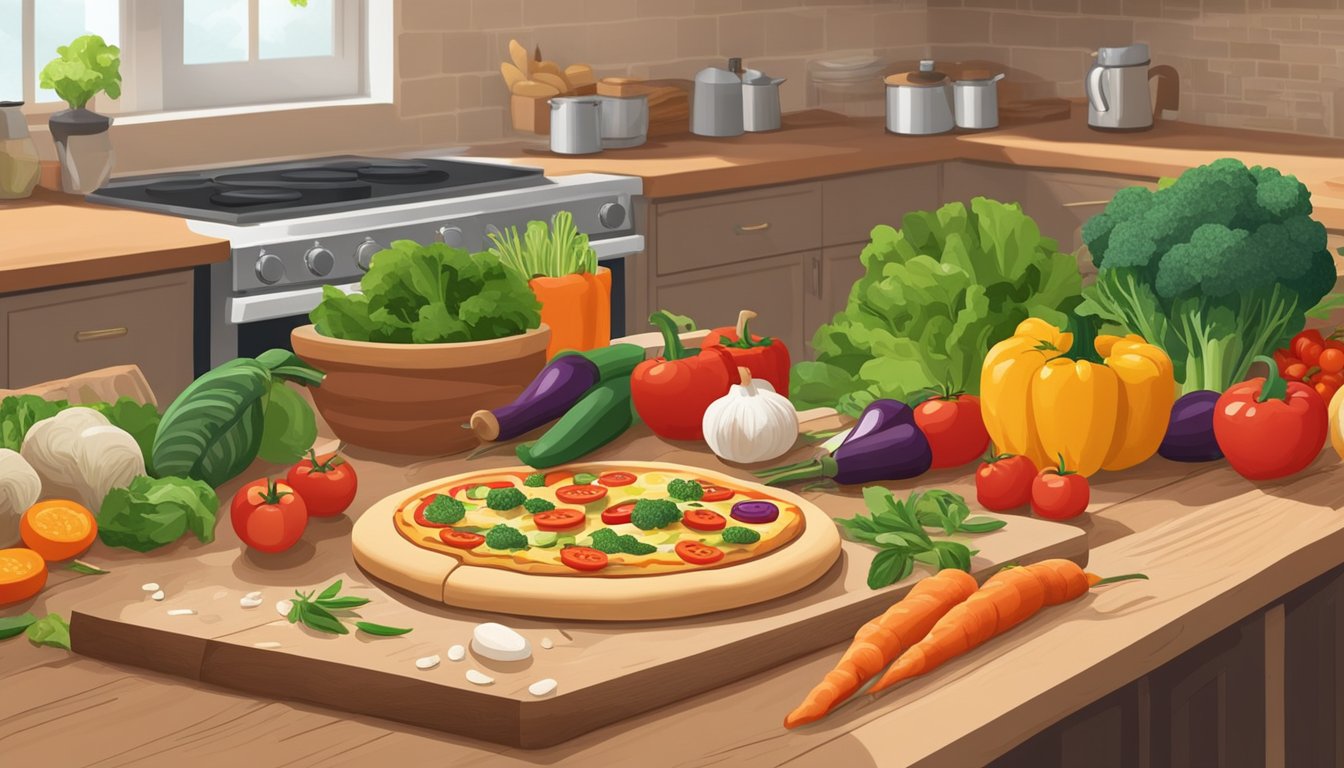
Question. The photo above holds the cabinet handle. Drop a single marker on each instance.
(102, 333)
(764, 225)
(1085, 203)
(816, 276)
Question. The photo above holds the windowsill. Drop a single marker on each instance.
(37, 118)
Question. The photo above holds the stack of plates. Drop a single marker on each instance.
(849, 74)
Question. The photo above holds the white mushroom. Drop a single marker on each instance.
(543, 687)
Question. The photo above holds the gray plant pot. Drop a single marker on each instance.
(84, 149)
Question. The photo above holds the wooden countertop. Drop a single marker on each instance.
(816, 144)
(1196, 530)
(52, 239)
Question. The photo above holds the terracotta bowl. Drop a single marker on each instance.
(414, 398)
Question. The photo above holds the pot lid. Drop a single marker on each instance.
(716, 76)
(4, 104)
(1123, 56)
(925, 77)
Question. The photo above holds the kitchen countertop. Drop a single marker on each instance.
(53, 239)
(816, 144)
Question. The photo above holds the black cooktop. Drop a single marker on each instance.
(256, 193)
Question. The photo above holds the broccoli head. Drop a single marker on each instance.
(736, 534)
(608, 541)
(649, 514)
(505, 537)
(503, 499)
(535, 480)
(538, 505)
(685, 490)
(445, 510)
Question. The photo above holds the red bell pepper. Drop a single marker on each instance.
(1268, 427)
(672, 392)
(766, 358)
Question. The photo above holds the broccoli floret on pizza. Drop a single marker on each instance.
(503, 499)
(445, 510)
(608, 541)
(535, 480)
(538, 505)
(505, 537)
(649, 514)
(736, 534)
(685, 490)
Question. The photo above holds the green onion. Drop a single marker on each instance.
(542, 251)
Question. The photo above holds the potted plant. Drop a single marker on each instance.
(561, 268)
(83, 69)
(434, 335)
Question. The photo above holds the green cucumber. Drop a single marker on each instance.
(599, 417)
(613, 361)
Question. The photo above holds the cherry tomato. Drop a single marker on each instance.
(1331, 359)
(619, 513)
(703, 520)
(1308, 345)
(716, 493)
(696, 553)
(954, 428)
(1296, 371)
(461, 539)
(327, 484)
(581, 494)
(1283, 358)
(1004, 482)
(616, 479)
(1058, 494)
(558, 519)
(1325, 392)
(583, 558)
(268, 516)
(455, 490)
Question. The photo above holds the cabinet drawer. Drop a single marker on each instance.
(725, 229)
(773, 288)
(853, 205)
(144, 321)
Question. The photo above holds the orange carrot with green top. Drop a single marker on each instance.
(882, 639)
(1007, 598)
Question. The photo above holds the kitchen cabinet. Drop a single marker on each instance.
(852, 205)
(1313, 697)
(774, 288)
(144, 321)
(831, 274)
(712, 230)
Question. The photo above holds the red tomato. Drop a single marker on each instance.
(1269, 428)
(581, 494)
(1284, 358)
(954, 429)
(619, 513)
(420, 508)
(1296, 371)
(1331, 359)
(696, 553)
(268, 516)
(1308, 345)
(716, 493)
(616, 479)
(558, 519)
(327, 485)
(461, 539)
(1058, 494)
(703, 520)
(1004, 482)
(583, 558)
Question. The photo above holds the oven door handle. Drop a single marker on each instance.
(269, 306)
(617, 247)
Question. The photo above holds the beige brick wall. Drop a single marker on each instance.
(1266, 64)
(449, 51)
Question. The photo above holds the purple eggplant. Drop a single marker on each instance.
(1190, 432)
(894, 450)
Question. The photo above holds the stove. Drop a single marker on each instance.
(295, 227)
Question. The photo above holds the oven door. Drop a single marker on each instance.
(247, 325)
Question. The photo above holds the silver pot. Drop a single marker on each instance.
(976, 94)
(576, 125)
(716, 109)
(625, 121)
(919, 103)
(760, 101)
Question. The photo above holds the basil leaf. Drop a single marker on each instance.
(379, 629)
(50, 630)
(294, 610)
(85, 568)
(889, 567)
(585, 478)
(341, 603)
(332, 590)
(901, 539)
(953, 554)
(318, 618)
(13, 626)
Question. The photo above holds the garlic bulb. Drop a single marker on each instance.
(751, 423)
(20, 488)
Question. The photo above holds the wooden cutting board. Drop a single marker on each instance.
(605, 671)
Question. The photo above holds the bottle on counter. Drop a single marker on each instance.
(19, 165)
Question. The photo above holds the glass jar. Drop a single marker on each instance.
(19, 165)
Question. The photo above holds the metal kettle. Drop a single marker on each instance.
(1118, 94)
(716, 109)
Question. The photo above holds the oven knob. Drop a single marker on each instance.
(364, 253)
(320, 261)
(270, 269)
(611, 215)
(452, 237)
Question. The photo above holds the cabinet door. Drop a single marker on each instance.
(852, 205)
(1313, 656)
(1062, 202)
(965, 180)
(773, 288)
(831, 273)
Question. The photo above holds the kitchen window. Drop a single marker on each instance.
(195, 54)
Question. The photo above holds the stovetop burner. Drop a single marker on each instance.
(274, 191)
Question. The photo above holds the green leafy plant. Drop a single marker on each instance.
(50, 630)
(935, 296)
(153, 512)
(898, 528)
(325, 611)
(542, 251)
(1216, 268)
(83, 69)
(18, 414)
(430, 294)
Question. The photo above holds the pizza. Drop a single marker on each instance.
(599, 520)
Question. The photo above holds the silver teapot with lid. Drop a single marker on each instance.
(19, 164)
(716, 109)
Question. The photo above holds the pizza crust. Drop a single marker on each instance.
(387, 555)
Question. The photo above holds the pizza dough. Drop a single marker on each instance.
(790, 555)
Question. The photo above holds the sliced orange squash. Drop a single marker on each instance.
(58, 529)
(23, 573)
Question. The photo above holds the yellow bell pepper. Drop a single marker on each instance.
(1040, 404)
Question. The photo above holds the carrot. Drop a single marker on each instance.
(1007, 598)
(882, 639)
(58, 529)
(23, 573)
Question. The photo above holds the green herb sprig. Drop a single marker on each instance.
(325, 612)
(898, 527)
